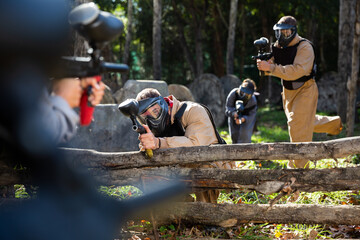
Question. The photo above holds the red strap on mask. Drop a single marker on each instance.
(169, 102)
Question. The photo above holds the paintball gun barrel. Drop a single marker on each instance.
(130, 108)
(98, 28)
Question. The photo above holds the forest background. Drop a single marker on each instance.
(178, 41)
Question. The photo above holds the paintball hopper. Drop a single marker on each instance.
(261, 43)
(95, 25)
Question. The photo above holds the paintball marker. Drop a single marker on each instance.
(239, 106)
(261, 44)
(130, 108)
(98, 28)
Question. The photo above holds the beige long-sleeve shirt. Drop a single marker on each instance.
(199, 130)
(302, 64)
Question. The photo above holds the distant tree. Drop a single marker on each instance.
(126, 54)
(231, 37)
(157, 39)
(79, 44)
(346, 38)
(216, 26)
(198, 11)
(352, 82)
(179, 20)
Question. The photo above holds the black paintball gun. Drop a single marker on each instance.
(68, 204)
(98, 28)
(261, 44)
(130, 108)
(239, 106)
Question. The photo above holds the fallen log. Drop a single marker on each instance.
(263, 181)
(227, 215)
(234, 152)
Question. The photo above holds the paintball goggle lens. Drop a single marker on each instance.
(153, 112)
(244, 95)
(281, 30)
(151, 109)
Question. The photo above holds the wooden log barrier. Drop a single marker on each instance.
(234, 152)
(263, 181)
(227, 215)
(107, 167)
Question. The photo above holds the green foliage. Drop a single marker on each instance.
(317, 20)
(355, 159)
(20, 192)
(120, 192)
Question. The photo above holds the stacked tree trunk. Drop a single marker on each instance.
(133, 168)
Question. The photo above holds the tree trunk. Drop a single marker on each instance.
(182, 41)
(346, 36)
(125, 60)
(79, 45)
(352, 82)
(198, 49)
(231, 38)
(198, 13)
(227, 215)
(243, 39)
(217, 59)
(323, 62)
(157, 40)
(234, 152)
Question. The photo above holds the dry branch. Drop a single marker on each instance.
(227, 215)
(235, 152)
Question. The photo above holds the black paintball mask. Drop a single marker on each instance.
(245, 93)
(155, 113)
(284, 40)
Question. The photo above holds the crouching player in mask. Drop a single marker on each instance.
(170, 123)
(241, 106)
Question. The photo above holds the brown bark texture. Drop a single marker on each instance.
(234, 152)
(346, 36)
(157, 39)
(126, 55)
(352, 82)
(231, 38)
(128, 168)
(263, 181)
(227, 215)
